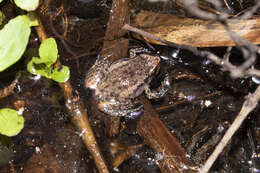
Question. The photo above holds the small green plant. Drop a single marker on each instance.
(14, 39)
(44, 65)
(11, 122)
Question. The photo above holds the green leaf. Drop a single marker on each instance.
(11, 123)
(37, 68)
(31, 68)
(61, 74)
(48, 51)
(14, 38)
(43, 65)
(37, 60)
(28, 5)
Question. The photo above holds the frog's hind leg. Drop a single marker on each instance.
(125, 107)
(159, 92)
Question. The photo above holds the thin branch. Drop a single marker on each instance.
(9, 89)
(249, 13)
(78, 114)
(235, 71)
(249, 104)
(193, 8)
(168, 43)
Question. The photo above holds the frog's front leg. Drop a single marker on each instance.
(159, 92)
(121, 107)
(139, 50)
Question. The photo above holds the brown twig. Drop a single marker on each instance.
(235, 71)
(126, 155)
(78, 114)
(9, 89)
(158, 136)
(168, 43)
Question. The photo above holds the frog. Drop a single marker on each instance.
(118, 84)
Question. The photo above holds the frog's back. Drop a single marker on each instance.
(126, 77)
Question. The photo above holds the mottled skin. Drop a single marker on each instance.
(118, 84)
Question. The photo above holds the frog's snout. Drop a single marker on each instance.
(91, 82)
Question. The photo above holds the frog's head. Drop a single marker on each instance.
(95, 74)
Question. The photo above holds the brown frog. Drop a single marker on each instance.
(118, 84)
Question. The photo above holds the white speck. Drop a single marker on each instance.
(220, 128)
(37, 77)
(158, 156)
(250, 162)
(164, 57)
(168, 82)
(175, 53)
(207, 103)
(20, 111)
(207, 62)
(36, 39)
(83, 131)
(188, 156)
(112, 101)
(137, 156)
(116, 169)
(37, 150)
(184, 166)
(190, 97)
(18, 88)
(256, 80)
(78, 112)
